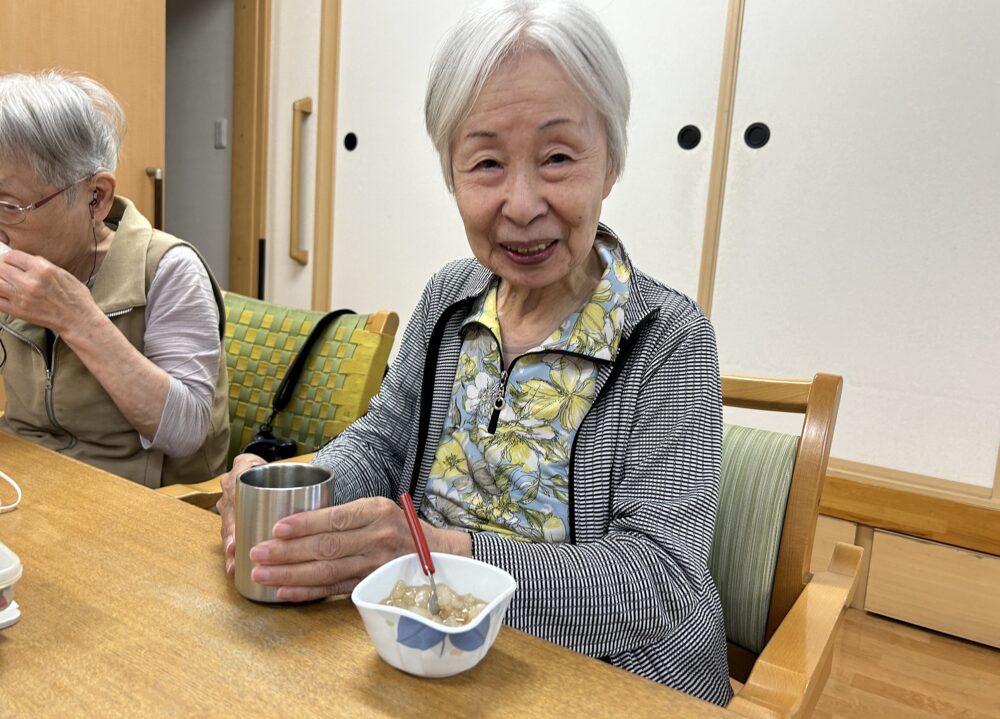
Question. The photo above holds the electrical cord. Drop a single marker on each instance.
(17, 501)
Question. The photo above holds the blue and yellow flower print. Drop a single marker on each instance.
(502, 464)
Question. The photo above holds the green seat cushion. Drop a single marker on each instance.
(756, 475)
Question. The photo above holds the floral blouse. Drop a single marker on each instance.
(502, 464)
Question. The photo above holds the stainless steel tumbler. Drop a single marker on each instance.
(265, 494)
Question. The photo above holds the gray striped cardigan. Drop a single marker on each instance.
(632, 586)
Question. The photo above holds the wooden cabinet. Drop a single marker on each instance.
(934, 585)
(929, 584)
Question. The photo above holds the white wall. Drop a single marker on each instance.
(864, 238)
(199, 90)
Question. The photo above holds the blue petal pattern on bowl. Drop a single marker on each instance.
(474, 638)
(416, 635)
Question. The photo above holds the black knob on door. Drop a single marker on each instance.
(757, 135)
(689, 137)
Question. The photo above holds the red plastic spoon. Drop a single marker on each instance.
(420, 541)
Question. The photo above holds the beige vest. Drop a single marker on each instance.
(64, 408)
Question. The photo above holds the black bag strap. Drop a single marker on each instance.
(287, 387)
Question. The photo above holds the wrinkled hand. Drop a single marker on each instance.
(226, 506)
(37, 291)
(328, 551)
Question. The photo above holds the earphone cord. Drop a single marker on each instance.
(93, 269)
(17, 500)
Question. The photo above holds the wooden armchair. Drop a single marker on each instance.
(780, 620)
(344, 372)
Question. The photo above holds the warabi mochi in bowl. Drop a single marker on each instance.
(421, 646)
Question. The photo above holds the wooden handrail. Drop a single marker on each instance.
(301, 109)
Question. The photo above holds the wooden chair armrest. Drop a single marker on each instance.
(790, 673)
(206, 494)
(383, 322)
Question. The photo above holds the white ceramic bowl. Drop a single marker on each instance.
(421, 646)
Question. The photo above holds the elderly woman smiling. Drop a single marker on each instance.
(110, 336)
(554, 410)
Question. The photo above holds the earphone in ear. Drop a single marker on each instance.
(93, 204)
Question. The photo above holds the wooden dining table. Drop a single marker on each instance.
(126, 611)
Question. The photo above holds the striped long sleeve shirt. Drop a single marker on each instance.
(632, 585)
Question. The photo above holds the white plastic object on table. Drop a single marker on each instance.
(10, 572)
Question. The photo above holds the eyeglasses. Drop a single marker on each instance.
(11, 214)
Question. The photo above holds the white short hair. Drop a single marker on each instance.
(492, 32)
(63, 126)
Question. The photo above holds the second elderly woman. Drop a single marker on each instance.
(553, 410)
(110, 331)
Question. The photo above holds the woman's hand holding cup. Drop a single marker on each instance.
(328, 551)
(226, 506)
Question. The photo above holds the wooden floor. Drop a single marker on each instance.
(888, 670)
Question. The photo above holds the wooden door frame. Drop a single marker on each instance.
(720, 155)
(326, 153)
(251, 94)
(248, 181)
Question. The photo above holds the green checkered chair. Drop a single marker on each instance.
(780, 619)
(343, 372)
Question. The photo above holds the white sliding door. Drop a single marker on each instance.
(673, 52)
(294, 75)
(864, 237)
(395, 223)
